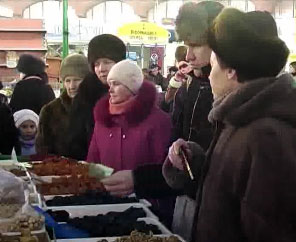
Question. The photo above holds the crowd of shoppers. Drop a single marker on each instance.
(229, 111)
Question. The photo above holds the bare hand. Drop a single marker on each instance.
(121, 183)
(174, 153)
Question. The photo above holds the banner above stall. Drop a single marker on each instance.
(143, 33)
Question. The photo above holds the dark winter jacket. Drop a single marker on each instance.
(143, 126)
(197, 97)
(81, 117)
(247, 183)
(190, 113)
(53, 126)
(8, 131)
(159, 80)
(31, 93)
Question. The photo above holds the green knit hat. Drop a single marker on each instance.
(74, 65)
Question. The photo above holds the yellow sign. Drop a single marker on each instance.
(143, 33)
(292, 57)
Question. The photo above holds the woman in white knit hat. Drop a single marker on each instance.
(129, 128)
(26, 121)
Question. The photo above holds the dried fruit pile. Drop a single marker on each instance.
(59, 166)
(70, 185)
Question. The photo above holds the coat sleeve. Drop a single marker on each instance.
(8, 131)
(159, 140)
(93, 149)
(16, 98)
(43, 132)
(177, 114)
(77, 135)
(268, 208)
(49, 96)
(150, 183)
(180, 180)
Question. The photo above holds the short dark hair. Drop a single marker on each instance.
(173, 68)
(180, 53)
(195, 19)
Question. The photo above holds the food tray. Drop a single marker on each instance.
(91, 210)
(143, 201)
(109, 239)
(34, 232)
(49, 197)
(58, 166)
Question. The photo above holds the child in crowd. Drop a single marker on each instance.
(26, 121)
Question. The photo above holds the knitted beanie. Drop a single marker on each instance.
(74, 65)
(24, 115)
(30, 65)
(127, 73)
(105, 46)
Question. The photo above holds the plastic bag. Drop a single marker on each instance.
(99, 171)
(15, 211)
(11, 189)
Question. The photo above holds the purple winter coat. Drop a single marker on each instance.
(139, 136)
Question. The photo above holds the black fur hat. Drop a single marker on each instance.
(30, 65)
(195, 19)
(105, 46)
(248, 43)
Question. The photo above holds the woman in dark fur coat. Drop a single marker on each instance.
(54, 117)
(33, 91)
(103, 52)
(245, 187)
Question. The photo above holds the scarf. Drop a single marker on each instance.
(120, 108)
(28, 146)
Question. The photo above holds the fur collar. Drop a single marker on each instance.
(263, 98)
(136, 113)
(66, 100)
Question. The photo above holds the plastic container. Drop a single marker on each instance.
(145, 202)
(92, 210)
(109, 239)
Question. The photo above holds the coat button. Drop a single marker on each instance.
(123, 136)
(110, 135)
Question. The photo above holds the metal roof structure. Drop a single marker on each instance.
(141, 7)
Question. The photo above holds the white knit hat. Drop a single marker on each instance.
(24, 115)
(127, 73)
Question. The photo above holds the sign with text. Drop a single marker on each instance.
(143, 33)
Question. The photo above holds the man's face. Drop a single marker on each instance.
(221, 79)
(291, 69)
(198, 55)
(71, 84)
(102, 67)
(154, 71)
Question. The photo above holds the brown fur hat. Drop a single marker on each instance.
(194, 20)
(248, 43)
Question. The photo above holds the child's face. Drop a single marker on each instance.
(28, 130)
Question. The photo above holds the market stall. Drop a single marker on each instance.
(64, 200)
